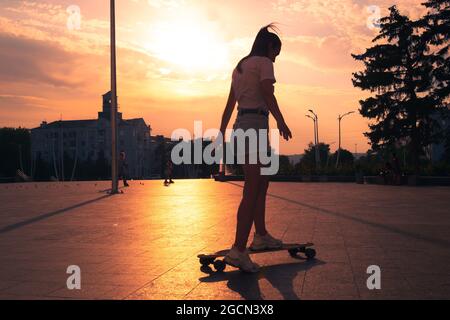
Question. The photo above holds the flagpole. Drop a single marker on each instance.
(114, 169)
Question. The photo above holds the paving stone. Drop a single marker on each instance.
(143, 244)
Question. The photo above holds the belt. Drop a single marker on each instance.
(254, 111)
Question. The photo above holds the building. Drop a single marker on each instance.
(89, 140)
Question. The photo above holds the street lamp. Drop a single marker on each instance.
(114, 164)
(316, 135)
(339, 147)
(317, 124)
(314, 120)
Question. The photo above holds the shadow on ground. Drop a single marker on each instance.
(416, 236)
(49, 215)
(280, 276)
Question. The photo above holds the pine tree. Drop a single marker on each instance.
(435, 26)
(398, 71)
(436, 32)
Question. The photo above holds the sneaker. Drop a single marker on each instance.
(265, 242)
(241, 260)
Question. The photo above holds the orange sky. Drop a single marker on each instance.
(175, 59)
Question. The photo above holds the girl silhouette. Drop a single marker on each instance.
(252, 88)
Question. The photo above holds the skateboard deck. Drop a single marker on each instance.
(293, 248)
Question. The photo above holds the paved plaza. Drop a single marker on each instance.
(143, 244)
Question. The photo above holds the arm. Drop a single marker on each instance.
(269, 97)
(229, 108)
(268, 91)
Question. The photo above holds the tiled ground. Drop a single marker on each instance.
(143, 244)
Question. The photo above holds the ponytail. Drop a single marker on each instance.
(260, 47)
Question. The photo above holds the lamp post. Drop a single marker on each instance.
(314, 120)
(339, 147)
(315, 137)
(114, 164)
(316, 134)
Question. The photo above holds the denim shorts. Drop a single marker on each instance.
(251, 147)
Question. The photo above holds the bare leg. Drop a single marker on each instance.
(260, 209)
(246, 211)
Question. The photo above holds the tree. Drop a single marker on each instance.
(285, 165)
(398, 71)
(435, 27)
(307, 164)
(15, 151)
(346, 158)
(446, 156)
(371, 163)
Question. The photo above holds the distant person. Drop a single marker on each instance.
(396, 170)
(252, 88)
(168, 172)
(123, 168)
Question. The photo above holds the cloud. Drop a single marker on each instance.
(323, 54)
(48, 22)
(166, 3)
(344, 18)
(22, 102)
(22, 110)
(28, 60)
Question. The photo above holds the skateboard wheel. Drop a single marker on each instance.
(206, 269)
(310, 253)
(204, 261)
(219, 265)
(293, 252)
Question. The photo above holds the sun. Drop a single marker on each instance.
(188, 44)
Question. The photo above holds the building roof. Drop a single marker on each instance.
(68, 124)
(72, 124)
(135, 121)
(160, 138)
(105, 114)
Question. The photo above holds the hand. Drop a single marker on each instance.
(285, 132)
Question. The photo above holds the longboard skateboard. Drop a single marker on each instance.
(293, 248)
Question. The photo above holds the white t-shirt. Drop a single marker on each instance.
(247, 85)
